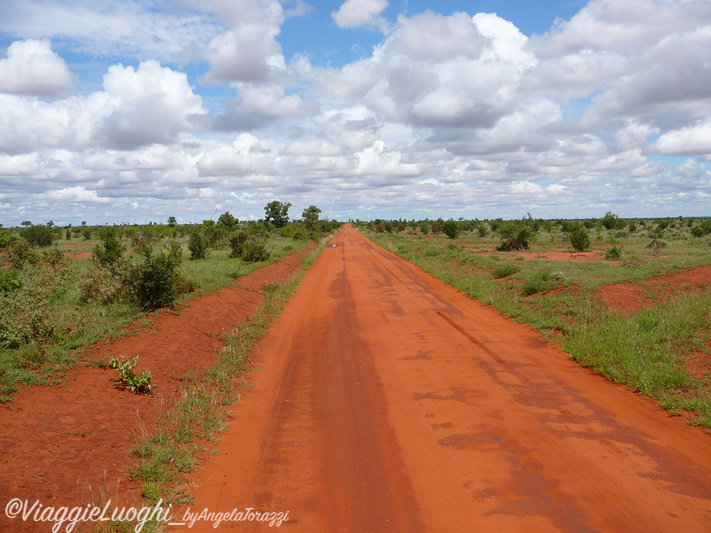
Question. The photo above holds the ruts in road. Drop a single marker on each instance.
(386, 401)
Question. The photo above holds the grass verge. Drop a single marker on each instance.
(163, 457)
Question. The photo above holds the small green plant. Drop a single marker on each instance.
(656, 243)
(538, 283)
(505, 271)
(140, 384)
(614, 253)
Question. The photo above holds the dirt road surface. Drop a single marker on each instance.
(387, 401)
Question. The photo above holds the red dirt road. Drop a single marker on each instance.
(388, 401)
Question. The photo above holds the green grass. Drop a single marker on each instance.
(77, 324)
(646, 352)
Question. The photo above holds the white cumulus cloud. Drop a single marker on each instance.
(32, 68)
(357, 13)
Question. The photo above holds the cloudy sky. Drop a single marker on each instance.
(136, 110)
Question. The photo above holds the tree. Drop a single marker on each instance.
(226, 219)
(451, 229)
(26, 223)
(277, 213)
(310, 215)
(172, 222)
(50, 224)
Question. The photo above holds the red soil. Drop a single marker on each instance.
(66, 445)
(631, 297)
(388, 401)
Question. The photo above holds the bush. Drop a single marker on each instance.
(101, 285)
(515, 236)
(110, 249)
(9, 280)
(254, 251)
(579, 237)
(155, 282)
(197, 246)
(451, 229)
(538, 283)
(25, 312)
(55, 258)
(20, 253)
(238, 242)
(6, 239)
(703, 229)
(614, 253)
(505, 271)
(39, 235)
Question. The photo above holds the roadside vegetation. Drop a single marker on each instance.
(64, 288)
(165, 455)
(524, 269)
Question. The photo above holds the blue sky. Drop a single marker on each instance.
(143, 109)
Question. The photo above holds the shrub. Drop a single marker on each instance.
(20, 253)
(579, 237)
(9, 280)
(197, 246)
(110, 249)
(614, 253)
(505, 271)
(424, 227)
(155, 282)
(6, 239)
(254, 251)
(101, 285)
(451, 229)
(39, 235)
(612, 221)
(238, 242)
(703, 229)
(55, 258)
(25, 312)
(515, 236)
(538, 283)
